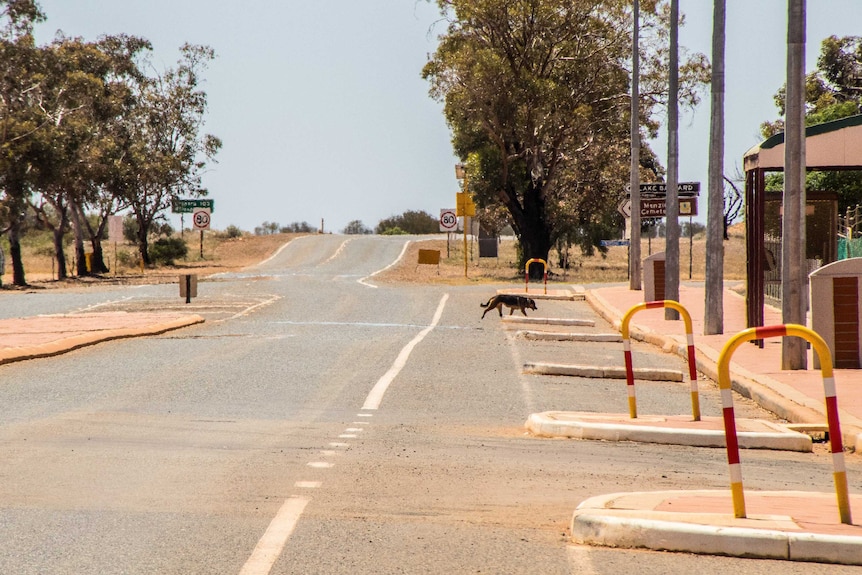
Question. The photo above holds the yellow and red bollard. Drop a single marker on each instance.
(836, 442)
(527, 273)
(627, 350)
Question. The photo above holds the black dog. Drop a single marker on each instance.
(511, 301)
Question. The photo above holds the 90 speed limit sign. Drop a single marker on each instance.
(201, 219)
(448, 221)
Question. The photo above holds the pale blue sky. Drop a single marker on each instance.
(324, 115)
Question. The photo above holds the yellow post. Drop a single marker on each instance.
(839, 474)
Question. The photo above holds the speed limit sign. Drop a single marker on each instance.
(448, 221)
(201, 218)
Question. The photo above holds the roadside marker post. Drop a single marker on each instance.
(527, 273)
(627, 350)
(836, 441)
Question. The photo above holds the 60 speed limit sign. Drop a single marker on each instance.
(448, 221)
(201, 218)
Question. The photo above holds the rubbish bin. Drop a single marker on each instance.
(653, 270)
(835, 290)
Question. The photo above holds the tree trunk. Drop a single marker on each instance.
(716, 222)
(59, 253)
(18, 278)
(80, 254)
(98, 259)
(533, 231)
(143, 240)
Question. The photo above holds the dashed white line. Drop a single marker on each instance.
(269, 546)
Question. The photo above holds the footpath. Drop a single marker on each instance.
(47, 335)
(792, 525)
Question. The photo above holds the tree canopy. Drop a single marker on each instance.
(88, 129)
(832, 91)
(535, 93)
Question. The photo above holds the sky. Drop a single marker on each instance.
(325, 117)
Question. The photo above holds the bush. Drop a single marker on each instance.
(166, 250)
(396, 231)
(231, 232)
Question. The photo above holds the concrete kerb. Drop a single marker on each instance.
(71, 343)
(606, 372)
(602, 427)
(568, 336)
(772, 395)
(603, 520)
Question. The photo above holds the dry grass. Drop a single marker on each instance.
(224, 255)
(582, 269)
(220, 254)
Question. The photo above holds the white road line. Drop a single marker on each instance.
(338, 251)
(269, 546)
(273, 256)
(376, 396)
(250, 309)
(398, 259)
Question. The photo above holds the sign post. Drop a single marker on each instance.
(448, 223)
(464, 206)
(182, 206)
(201, 221)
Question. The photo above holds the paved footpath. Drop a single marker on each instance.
(47, 335)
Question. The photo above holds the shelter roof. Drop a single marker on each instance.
(835, 145)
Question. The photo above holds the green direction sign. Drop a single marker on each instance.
(180, 206)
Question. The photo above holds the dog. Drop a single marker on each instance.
(511, 301)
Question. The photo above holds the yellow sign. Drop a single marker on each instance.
(464, 205)
(429, 257)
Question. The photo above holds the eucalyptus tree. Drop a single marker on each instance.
(167, 153)
(536, 93)
(18, 120)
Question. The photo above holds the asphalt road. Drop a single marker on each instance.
(323, 422)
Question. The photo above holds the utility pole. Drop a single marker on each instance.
(634, 180)
(794, 279)
(671, 281)
(714, 293)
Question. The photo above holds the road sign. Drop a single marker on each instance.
(464, 204)
(448, 221)
(660, 189)
(201, 219)
(181, 206)
(657, 208)
(611, 243)
(625, 209)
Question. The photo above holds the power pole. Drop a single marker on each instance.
(671, 281)
(634, 180)
(794, 277)
(714, 294)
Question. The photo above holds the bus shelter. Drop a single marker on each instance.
(831, 146)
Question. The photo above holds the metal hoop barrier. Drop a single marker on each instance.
(627, 349)
(839, 470)
(527, 273)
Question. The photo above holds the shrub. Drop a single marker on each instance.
(166, 250)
